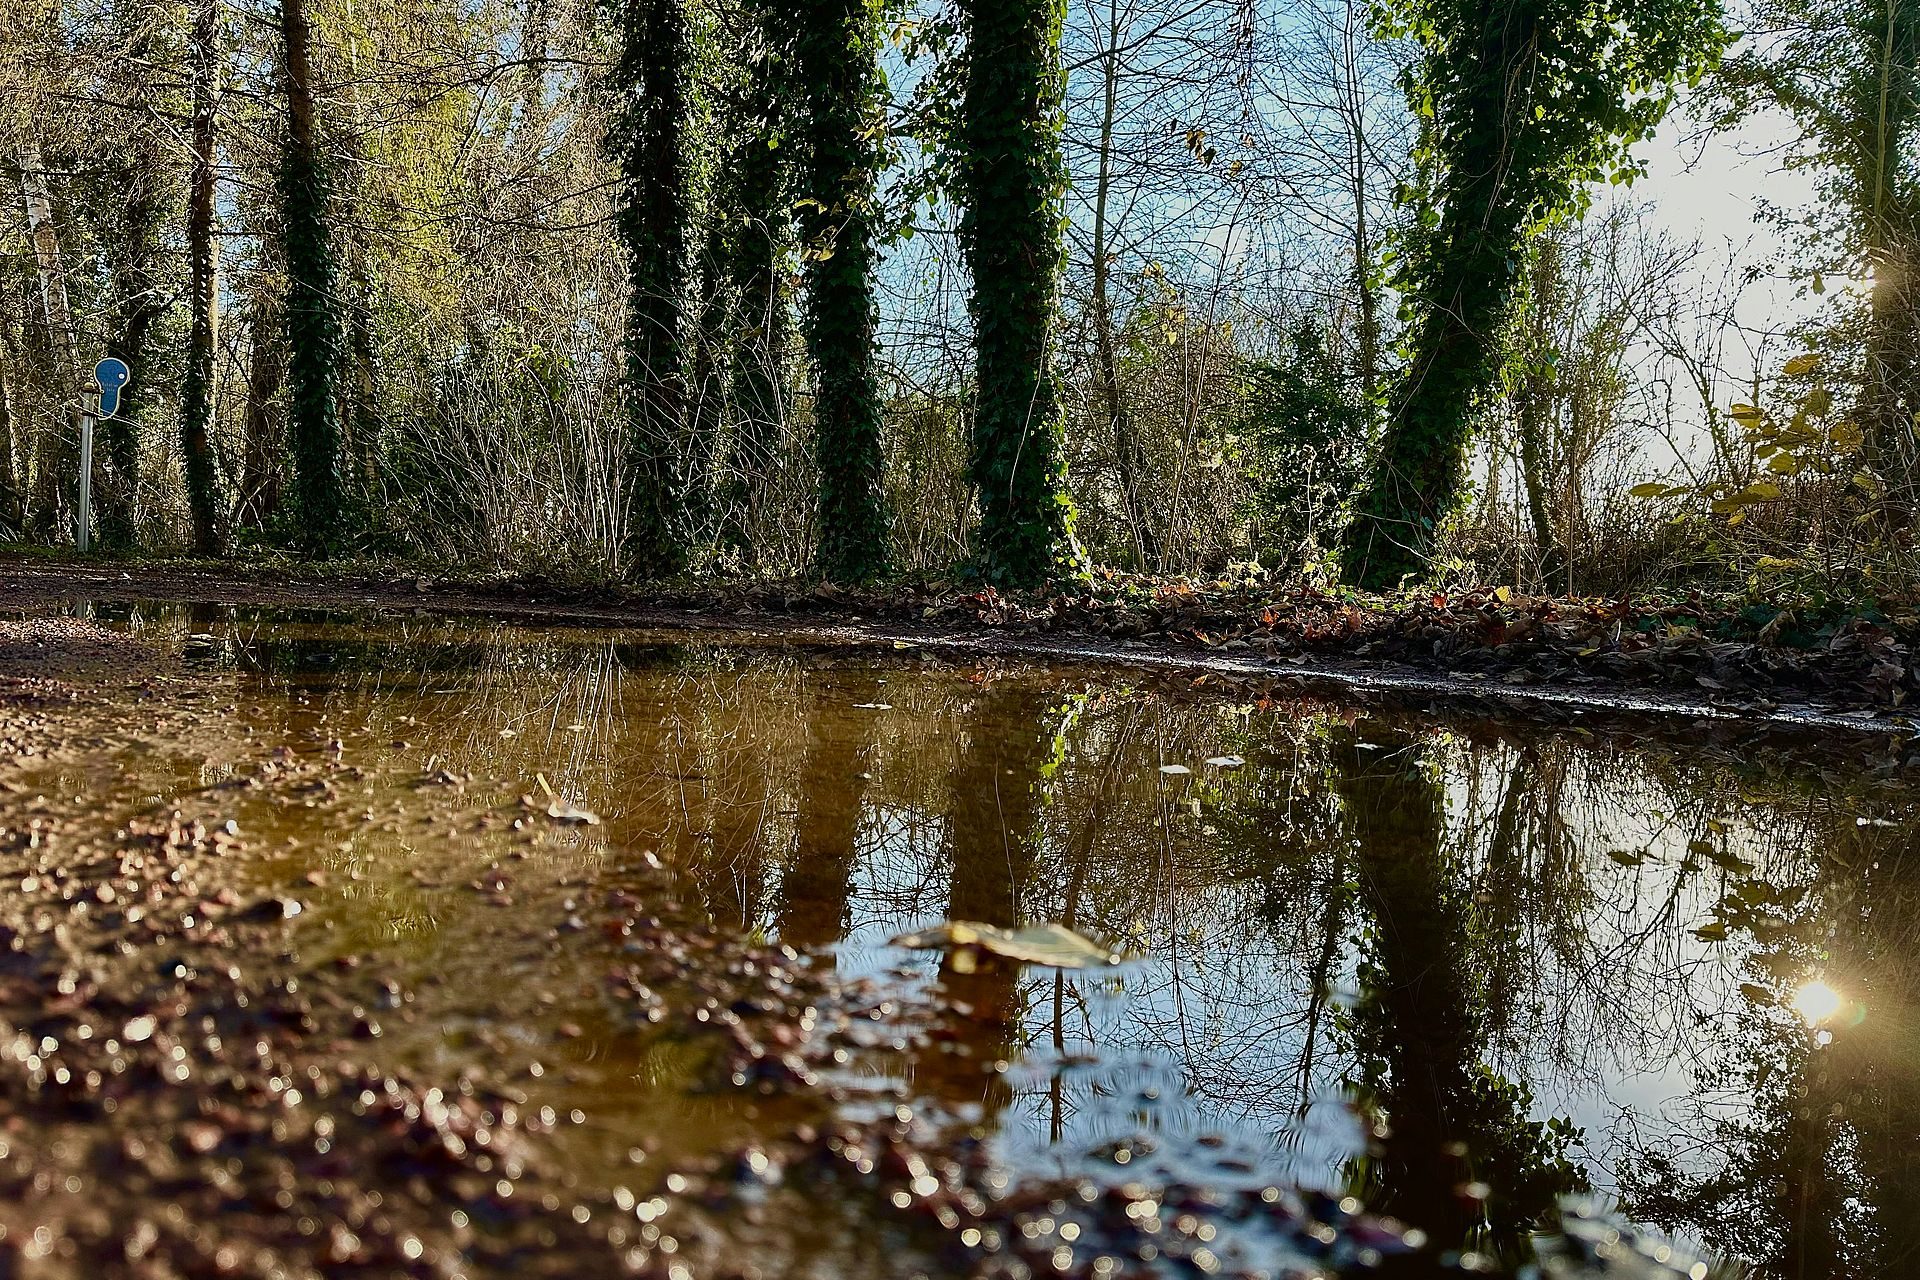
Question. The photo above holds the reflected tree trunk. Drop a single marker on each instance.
(993, 839)
(1420, 1027)
(817, 882)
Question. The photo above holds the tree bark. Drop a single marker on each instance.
(314, 333)
(55, 453)
(1129, 457)
(838, 58)
(650, 145)
(1012, 176)
(198, 392)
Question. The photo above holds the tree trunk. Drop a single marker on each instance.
(1423, 459)
(10, 507)
(314, 333)
(1012, 176)
(838, 52)
(650, 145)
(760, 199)
(197, 392)
(264, 428)
(1129, 458)
(55, 453)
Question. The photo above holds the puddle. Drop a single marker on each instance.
(1453, 974)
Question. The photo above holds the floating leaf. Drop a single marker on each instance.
(561, 811)
(1175, 770)
(1053, 945)
(1226, 762)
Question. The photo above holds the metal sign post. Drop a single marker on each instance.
(101, 400)
(83, 534)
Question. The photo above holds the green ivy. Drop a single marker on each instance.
(1522, 104)
(649, 84)
(837, 54)
(755, 202)
(314, 344)
(1012, 180)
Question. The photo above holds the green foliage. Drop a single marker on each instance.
(315, 345)
(836, 51)
(649, 84)
(1522, 104)
(1306, 434)
(1849, 76)
(1013, 179)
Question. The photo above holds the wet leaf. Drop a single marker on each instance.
(561, 811)
(1226, 762)
(1053, 945)
(1175, 770)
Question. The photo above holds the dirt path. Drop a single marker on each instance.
(1505, 685)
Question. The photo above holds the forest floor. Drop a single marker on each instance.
(1690, 655)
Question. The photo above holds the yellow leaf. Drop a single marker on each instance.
(1652, 489)
(1744, 413)
(1045, 944)
(1801, 365)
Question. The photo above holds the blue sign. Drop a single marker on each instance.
(112, 375)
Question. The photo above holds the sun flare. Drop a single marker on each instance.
(1817, 1002)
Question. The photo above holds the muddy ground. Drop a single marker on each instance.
(1750, 667)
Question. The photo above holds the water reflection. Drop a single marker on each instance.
(1457, 974)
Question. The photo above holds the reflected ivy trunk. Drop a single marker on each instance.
(1419, 1028)
(646, 138)
(837, 50)
(817, 883)
(314, 331)
(997, 791)
(1012, 177)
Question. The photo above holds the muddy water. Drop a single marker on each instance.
(1455, 974)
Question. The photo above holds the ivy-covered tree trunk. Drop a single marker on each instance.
(837, 50)
(758, 177)
(1422, 465)
(1887, 112)
(648, 140)
(135, 256)
(314, 331)
(1013, 177)
(1522, 103)
(197, 388)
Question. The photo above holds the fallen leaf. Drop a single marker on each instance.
(1053, 945)
(1226, 762)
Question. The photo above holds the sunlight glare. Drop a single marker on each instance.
(1817, 1002)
